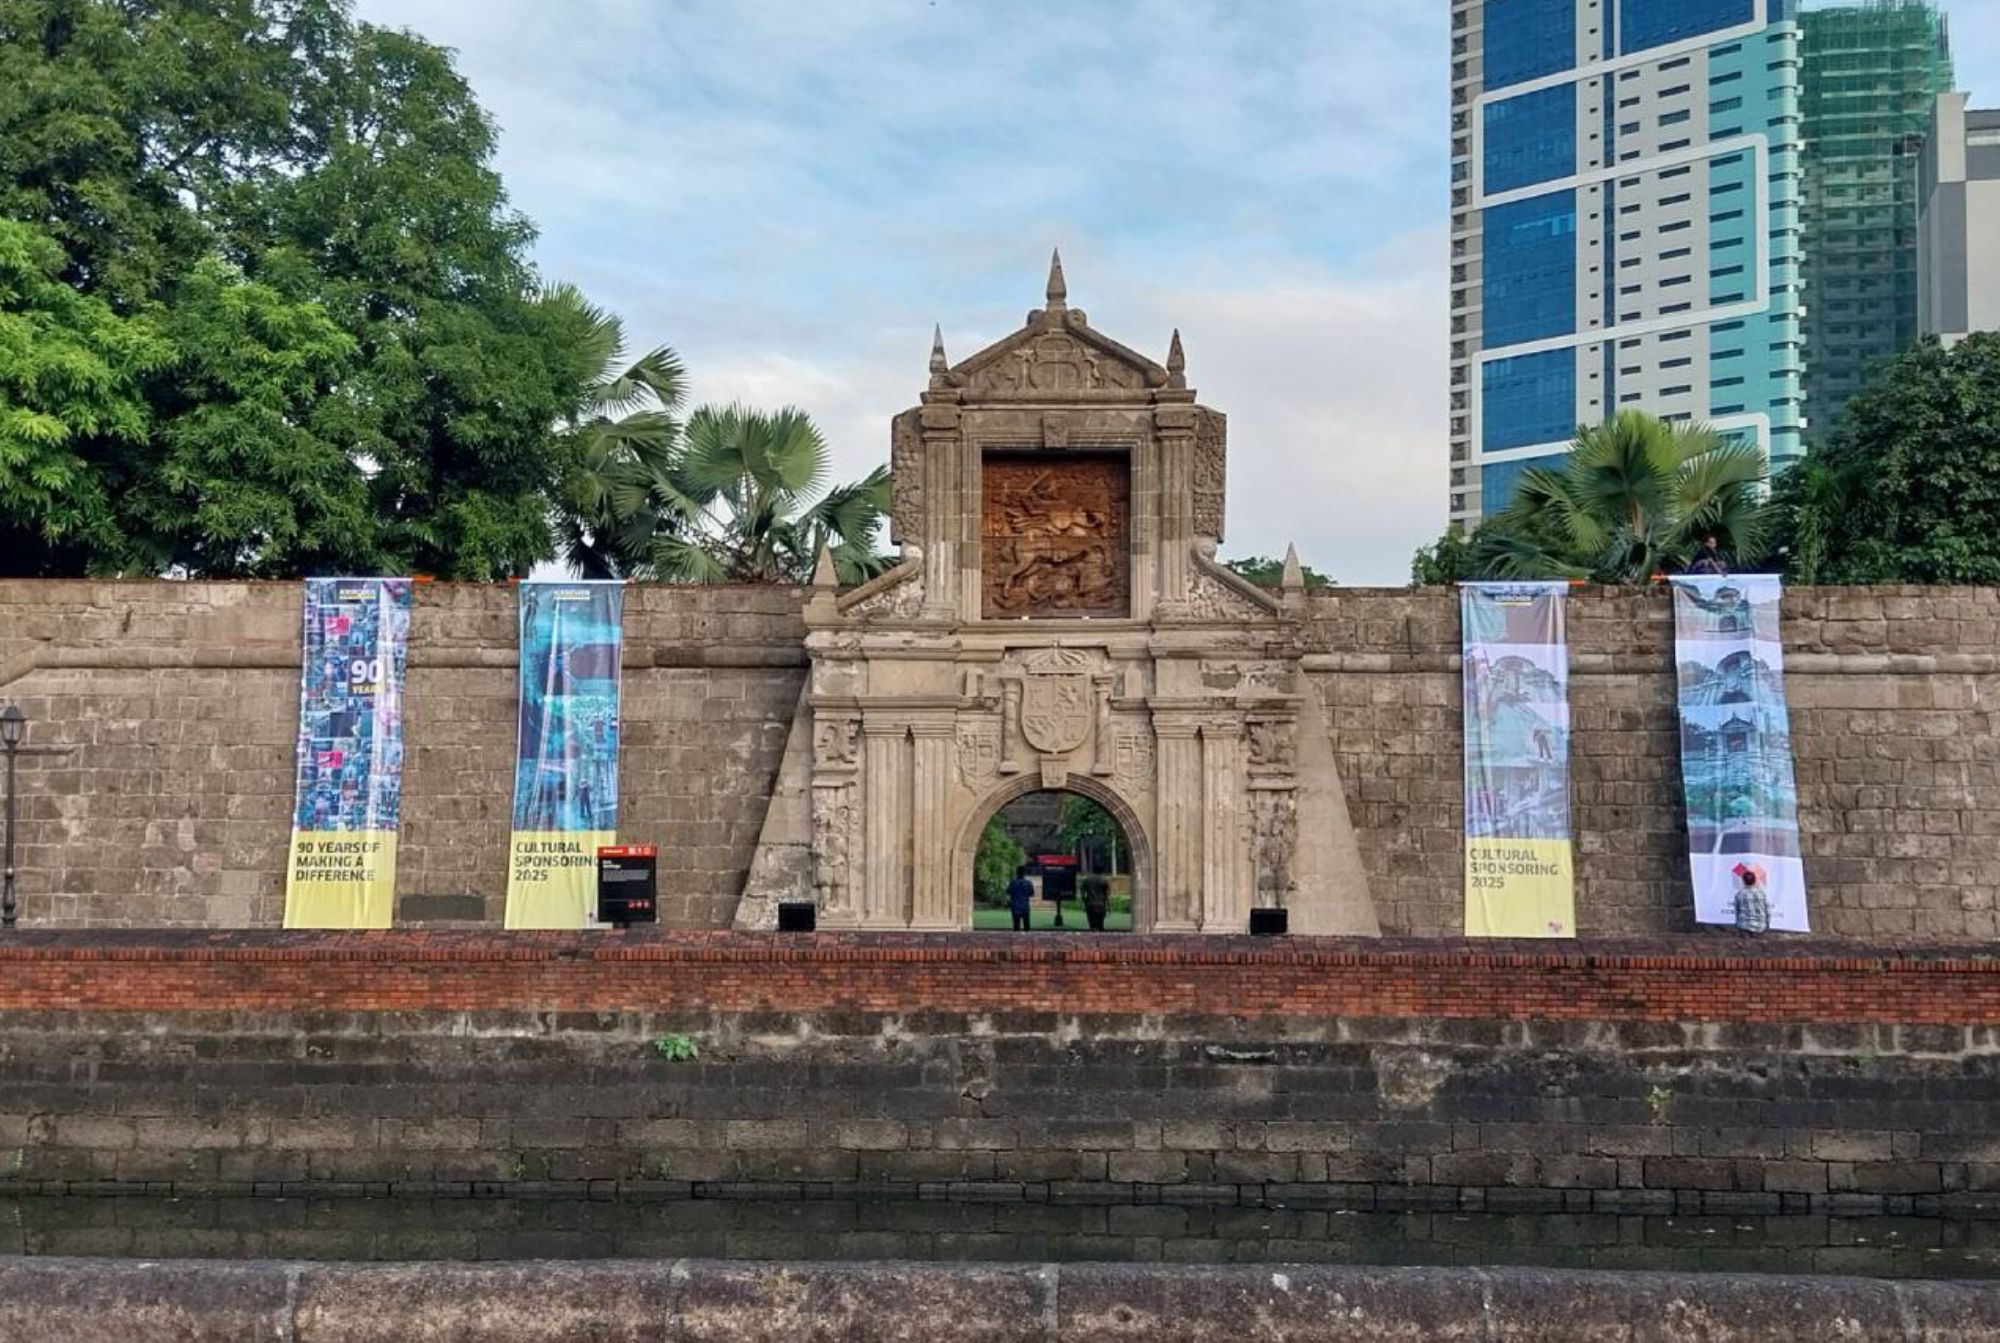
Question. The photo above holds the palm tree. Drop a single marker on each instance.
(1635, 497)
(739, 493)
(618, 437)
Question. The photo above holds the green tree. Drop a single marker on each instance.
(1907, 489)
(342, 167)
(1633, 498)
(994, 864)
(1266, 572)
(747, 498)
(620, 435)
(1449, 559)
(70, 402)
(1086, 824)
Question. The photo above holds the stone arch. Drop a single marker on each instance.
(1141, 843)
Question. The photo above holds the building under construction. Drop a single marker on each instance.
(1872, 75)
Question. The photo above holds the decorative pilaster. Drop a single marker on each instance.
(1175, 425)
(1225, 889)
(885, 865)
(935, 886)
(944, 504)
(1010, 726)
(1104, 747)
(1178, 843)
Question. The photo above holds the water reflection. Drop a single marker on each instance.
(926, 1229)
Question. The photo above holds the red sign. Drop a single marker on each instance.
(628, 851)
(1056, 859)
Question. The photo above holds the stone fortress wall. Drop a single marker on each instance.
(159, 787)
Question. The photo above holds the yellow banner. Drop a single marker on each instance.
(341, 879)
(552, 877)
(1519, 888)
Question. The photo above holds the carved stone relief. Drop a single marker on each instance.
(906, 465)
(1056, 535)
(834, 742)
(1210, 434)
(1273, 744)
(833, 821)
(1134, 766)
(978, 752)
(1209, 599)
(904, 601)
(1275, 824)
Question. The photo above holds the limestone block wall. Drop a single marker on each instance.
(1895, 712)
(172, 706)
(162, 720)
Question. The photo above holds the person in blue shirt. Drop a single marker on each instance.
(1020, 898)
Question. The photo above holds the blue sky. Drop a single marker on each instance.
(791, 193)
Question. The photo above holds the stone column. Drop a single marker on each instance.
(942, 558)
(1175, 425)
(1177, 884)
(886, 807)
(935, 886)
(968, 501)
(1225, 889)
(1145, 528)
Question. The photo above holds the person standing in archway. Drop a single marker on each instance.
(1096, 901)
(1021, 898)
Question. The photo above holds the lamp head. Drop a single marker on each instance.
(13, 725)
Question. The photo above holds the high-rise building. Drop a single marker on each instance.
(1958, 222)
(1624, 226)
(1872, 74)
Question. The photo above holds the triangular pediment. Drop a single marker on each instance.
(1057, 353)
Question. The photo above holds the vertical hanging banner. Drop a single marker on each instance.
(1519, 869)
(566, 753)
(1736, 747)
(349, 798)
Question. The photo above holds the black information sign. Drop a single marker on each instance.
(628, 884)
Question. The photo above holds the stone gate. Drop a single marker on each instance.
(1058, 621)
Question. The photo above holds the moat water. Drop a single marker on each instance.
(941, 1230)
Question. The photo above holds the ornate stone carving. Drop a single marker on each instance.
(1057, 703)
(978, 752)
(833, 818)
(834, 742)
(1210, 436)
(1055, 362)
(906, 466)
(1273, 744)
(1134, 767)
(1275, 825)
(1209, 599)
(904, 601)
(1055, 535)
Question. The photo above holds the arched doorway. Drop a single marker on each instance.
(1083, 849)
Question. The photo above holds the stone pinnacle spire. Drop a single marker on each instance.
(1293, 579)
(1058, 290)
(1176, 362)
(939, 363)
(824, 579)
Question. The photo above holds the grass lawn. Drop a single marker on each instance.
(1117, 919)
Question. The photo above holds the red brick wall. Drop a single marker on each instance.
(1780, 981)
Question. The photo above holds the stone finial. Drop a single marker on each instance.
(1176, 362)
(1058, 288)
(1293, 579)
(824, 578)
(939, 364)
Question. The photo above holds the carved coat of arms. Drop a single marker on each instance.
(1056, 704)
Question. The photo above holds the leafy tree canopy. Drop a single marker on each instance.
(1266, 572)
(1634, 497)
(1907, 489)
(343, 357)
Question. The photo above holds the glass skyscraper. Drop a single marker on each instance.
(1624, 227)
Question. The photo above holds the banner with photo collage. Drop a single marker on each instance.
(1736, 748)
(1519, 867)
(566, 751)
(349, 795)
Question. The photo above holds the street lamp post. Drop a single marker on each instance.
(13, 727)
